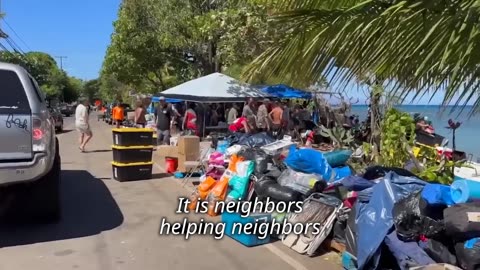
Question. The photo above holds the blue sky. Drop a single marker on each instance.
(78, 29)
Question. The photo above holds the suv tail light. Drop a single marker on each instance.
(39, 137)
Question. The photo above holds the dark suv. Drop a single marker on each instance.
(29, 151)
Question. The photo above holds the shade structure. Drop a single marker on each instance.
(285, 91)
(169, 100)
(213, 88)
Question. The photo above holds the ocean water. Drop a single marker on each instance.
(467, 136)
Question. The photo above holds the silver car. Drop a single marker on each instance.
(29, 151)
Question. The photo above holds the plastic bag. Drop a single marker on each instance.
(376, 172)
(289, 177)
(468, 254)
(436, 194)
(239, 182)
(309, 161)
(462, 221)
(438, 251)
(256, 140)
(205, 187)
(411, 220)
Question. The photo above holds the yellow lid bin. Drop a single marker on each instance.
(124, 172)
(132, 136)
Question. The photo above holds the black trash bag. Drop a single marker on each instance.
(376, 172)
(318, 187)
(468, 257)
(458, 224)
(268, 187)
(438, 251)
(351, 232)
(411, 219)
(236, 137)
(256, 140)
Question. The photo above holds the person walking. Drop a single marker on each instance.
(163, 116)
(140, 112)
(190, 120)
(262, 116)
(118, 114)
(82, 124)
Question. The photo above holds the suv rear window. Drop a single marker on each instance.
(12, 94)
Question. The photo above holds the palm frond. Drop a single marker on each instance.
(422, 45)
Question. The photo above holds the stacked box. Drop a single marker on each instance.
(132, 154)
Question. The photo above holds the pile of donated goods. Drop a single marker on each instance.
(387, 218)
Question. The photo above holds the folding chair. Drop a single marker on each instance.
(200, 164)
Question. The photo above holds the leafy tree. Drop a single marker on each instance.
(419, 45)
(91, 89)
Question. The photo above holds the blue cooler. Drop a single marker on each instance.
(248, 240)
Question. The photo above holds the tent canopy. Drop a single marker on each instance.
(169, 100)
(213, 88)
(285, 91)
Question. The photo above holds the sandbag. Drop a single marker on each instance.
(411, 219)
(438, 251)
(468, 254)
(256, 140)
(270, 188)
(376, 172)
(462, 221)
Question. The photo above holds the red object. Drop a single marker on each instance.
(190, 124)
(237, 125)
(171, 164)
(423, 238)
(447, 152)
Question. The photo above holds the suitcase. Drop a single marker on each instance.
(318, 208)
(248, 240)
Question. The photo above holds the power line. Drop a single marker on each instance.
(16, 34)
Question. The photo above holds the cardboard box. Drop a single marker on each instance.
(167, 151)
(189, 146)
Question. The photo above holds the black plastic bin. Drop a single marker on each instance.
(429, 139)
(124, 172)
(132, 154)
(132, 136)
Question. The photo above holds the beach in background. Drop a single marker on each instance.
(467, 136)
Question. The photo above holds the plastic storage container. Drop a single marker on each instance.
(132, 171)
(132, 136)
(250, 239)
(132, 154)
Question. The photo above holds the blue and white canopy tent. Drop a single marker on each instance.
(286, 92)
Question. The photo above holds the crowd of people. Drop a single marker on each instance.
(253, 116)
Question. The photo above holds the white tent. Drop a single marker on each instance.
(213, 88)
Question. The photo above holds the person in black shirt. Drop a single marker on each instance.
(163, 115)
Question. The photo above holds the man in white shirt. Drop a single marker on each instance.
(81, 123)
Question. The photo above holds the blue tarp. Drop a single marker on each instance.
(374, 218)
(169, 100)
(285, 91)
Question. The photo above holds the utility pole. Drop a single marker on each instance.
(61, 60)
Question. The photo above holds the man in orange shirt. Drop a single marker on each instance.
(118, 114)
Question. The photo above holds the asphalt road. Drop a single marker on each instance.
(111, 225)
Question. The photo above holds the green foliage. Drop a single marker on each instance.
(397, 136)
(91, 89)
(421, 45)
(341, 137)
(43, 68)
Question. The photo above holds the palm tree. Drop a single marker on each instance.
(421, 46)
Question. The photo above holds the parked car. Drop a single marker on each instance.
(67, 110)
(57, 118)
(29, 152)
